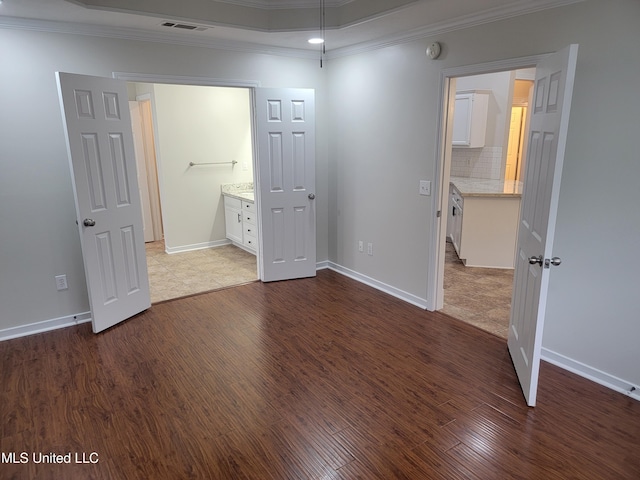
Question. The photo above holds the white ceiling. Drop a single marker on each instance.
(264, 24)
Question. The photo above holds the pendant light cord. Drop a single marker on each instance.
(322, 31)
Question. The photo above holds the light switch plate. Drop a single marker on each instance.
(425, 187)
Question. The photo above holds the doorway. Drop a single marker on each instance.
(195, 140)
(479, 291)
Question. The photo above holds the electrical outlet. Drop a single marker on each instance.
(369, 248)
(61, 282)
(425, 187)
(360, 246)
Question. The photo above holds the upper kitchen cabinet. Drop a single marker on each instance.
(470, 119)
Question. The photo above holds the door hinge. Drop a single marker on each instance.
(438, 213)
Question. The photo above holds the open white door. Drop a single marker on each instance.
(547, 139)
(100, 145)
(285, 130)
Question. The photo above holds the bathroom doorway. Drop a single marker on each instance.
(191, 135)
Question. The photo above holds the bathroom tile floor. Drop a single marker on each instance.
(181, 274)
(479, 296)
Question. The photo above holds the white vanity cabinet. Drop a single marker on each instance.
(249, 226)
(233, 218)
(470, 120)
(240, 222)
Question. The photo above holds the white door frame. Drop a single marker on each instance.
(204, 82)
(435, 273)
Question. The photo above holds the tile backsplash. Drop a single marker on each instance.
(477, 162)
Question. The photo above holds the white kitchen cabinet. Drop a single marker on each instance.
(454, 220)
(487, 232)
(458, 216)
(470, 120)
(233, 218)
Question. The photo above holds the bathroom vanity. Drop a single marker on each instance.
(240, 215)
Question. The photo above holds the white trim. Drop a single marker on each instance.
(73, 28)
(282, 4)
(590, 373)
(44, 326)
(372, 282)
(459, 23)
(185, 80)
(197, 246)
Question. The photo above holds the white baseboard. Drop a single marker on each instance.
(197, 246)
(591, 373)
(396, 292)
(44, 326)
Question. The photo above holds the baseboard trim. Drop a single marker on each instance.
(197, 246)
(372, 282)
(44, 326)
(590, 373)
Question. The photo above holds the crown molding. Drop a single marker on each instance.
(285, 4)
(146, 36)
(467, 21)
(521, 8)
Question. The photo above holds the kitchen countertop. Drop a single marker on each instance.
(241, 191)
(483, 187)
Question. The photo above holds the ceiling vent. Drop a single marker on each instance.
(184, 26)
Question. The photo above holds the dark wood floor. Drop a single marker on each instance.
(310, 379)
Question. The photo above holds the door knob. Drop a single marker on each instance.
(311, 196)
(533, 260)
(555, 261)
(88, 222)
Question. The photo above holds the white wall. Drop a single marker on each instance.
(384, 110)
(38, 234)
(202, 125)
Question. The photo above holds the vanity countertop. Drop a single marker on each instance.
(241, 191)
(483, 187)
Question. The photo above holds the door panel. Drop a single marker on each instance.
(549, 124)
(286, 174)
(100, 146)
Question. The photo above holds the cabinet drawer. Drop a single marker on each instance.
(248, 217)
(250, 230)
(456, 197)
(248, 206)
(232, 202)
(250, 241)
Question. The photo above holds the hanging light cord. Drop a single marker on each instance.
(322, 32)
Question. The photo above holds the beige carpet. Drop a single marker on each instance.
(181, 274)
(479, 296)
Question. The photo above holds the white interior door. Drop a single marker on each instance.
(547, 138)
(101, 155)
(285, 130)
